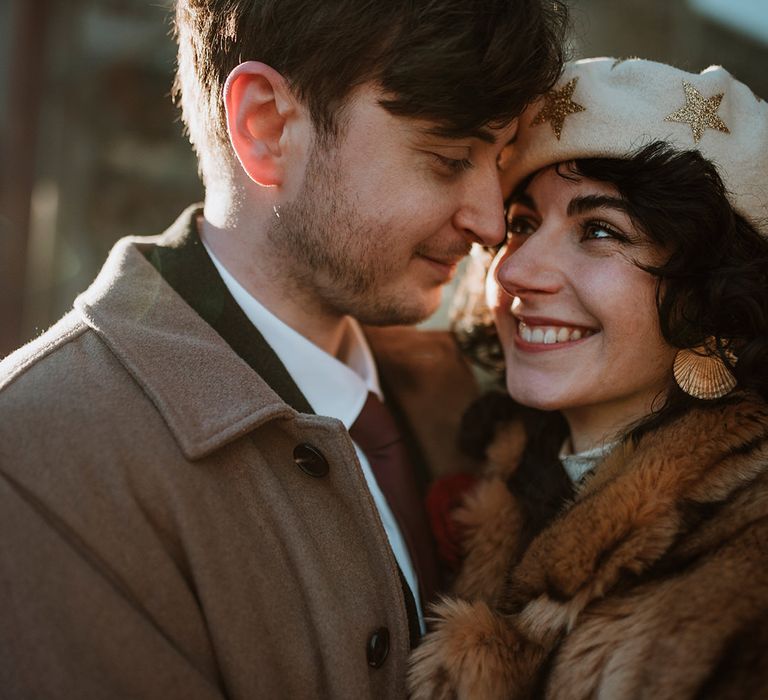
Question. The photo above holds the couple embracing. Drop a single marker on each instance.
(233, 430)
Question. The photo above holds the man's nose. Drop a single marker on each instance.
(481, 214)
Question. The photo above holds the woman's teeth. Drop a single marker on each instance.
(549, 335)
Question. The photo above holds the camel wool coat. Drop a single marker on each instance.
(171, 526)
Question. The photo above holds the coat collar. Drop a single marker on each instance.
(205, 392)
(213, 377)
(668, 518)
(642, 510)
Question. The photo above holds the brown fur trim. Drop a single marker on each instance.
(668, 637)
(724, 520)
(490, 520)
(633, 519)
(644, 586)
(701, 438)
(472, 654)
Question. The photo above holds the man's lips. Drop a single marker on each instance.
(448, 256)
(444, 265)
(445, 262)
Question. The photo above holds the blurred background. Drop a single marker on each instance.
(91, 147)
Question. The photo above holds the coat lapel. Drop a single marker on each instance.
(207, 394)
(183, 262)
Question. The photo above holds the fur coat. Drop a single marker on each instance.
(651, 583)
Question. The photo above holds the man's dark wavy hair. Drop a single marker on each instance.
(463, 63)
(714, 284)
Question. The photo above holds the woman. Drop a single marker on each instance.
(617, 545)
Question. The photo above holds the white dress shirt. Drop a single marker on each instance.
(337, 388)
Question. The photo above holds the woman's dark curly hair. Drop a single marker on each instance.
(714, 283)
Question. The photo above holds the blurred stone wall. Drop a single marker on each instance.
(111, 159)
(671, 31)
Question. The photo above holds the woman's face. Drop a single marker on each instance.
(576, 315)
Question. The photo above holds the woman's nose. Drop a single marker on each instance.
(534, 265)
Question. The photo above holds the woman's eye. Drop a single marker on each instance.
(453, 165)
(520, 226)
(597, 231)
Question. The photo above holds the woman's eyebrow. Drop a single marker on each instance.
(523, 198)
(580, 205)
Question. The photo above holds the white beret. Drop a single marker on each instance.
(607, 107)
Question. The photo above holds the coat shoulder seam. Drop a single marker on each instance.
(20, 367)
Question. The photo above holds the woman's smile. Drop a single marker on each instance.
(534, 335)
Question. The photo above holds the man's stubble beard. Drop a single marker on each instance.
(337, 260)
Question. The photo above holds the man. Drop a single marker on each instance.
(191, 518)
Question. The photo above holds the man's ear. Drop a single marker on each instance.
(258, 102)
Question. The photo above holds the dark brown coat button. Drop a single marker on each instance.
(378, 647)
(310, 460)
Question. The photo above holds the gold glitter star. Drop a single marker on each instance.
(557, 106)
(699, 112)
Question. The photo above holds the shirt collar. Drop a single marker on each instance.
(577, 465)
(333, 387)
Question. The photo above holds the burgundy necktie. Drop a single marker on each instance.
(378, 436)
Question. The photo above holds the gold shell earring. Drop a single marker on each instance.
(701, 373)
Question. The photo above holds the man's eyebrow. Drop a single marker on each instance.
(453, 134)
(580, 205)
